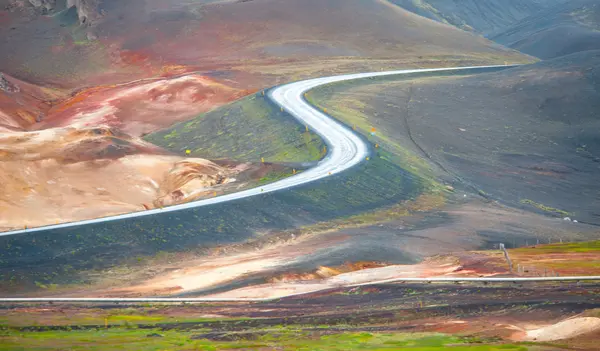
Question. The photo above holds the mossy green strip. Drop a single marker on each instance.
(245, 130)
(544, 207)
(154, 340)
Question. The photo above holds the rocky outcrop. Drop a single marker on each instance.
(31, 7)
(189, 180)
(87, 10)
(7, 86)
(46, 5)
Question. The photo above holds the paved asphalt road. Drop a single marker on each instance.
(345, 148)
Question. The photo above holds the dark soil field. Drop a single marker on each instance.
(526, 136)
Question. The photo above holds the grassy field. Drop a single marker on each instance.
(246, 130)
(273, 339)
(574, 248)
(148, 315)
(382, 317)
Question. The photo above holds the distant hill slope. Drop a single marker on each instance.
(557, 31)
(546, 152)
(528, 136)
(120, 40)
(483, 16)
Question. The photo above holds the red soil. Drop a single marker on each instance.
(141, 107)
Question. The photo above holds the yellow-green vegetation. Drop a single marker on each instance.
(275, 176)
(592, 313)
(544, 207)
(587, 246)
(114, 317)
(424, 202)
(274, 339)
(589, 267)
(352, 112)
(245, 130)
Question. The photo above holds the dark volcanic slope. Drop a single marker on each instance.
(528, 136)
(484, 16)
(560, 30)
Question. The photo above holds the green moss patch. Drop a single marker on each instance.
(544, 207)
(246, 130)
(147, 340)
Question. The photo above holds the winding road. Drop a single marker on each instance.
(345, 148)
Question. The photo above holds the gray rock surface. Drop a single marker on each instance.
(7, 86)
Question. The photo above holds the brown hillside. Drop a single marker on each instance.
(143, 37)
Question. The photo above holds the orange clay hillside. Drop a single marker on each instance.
(22, 104)
(143, 106)
(564, 259)
(69, 174)
(73, 158)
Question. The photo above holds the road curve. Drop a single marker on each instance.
(345, 148)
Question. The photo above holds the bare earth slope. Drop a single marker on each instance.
(142, 37)
(561, 30)
(77, 156)
(23, 104)
(67, 174)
